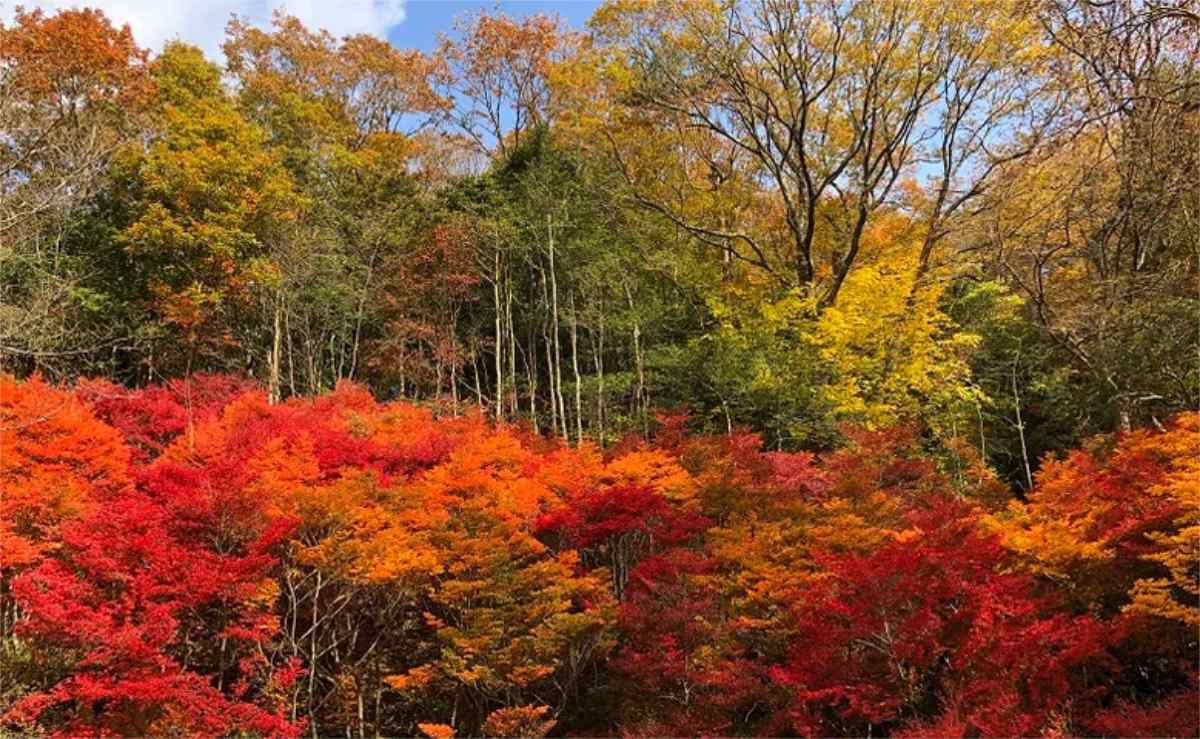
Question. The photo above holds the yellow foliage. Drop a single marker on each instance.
(1051, 546)
(771, 556)
(895, 353)
(1088, 518)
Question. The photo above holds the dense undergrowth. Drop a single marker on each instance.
(191, 559)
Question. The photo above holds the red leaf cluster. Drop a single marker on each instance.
(191, 559)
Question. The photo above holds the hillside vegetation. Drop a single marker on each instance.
(724, 367)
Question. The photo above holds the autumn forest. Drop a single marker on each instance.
(717, 368)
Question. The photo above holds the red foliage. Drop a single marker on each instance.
(928, 633)
(684, 676)
(888, 461)
(620, 526)
(1176, 715)
(850, 593)
(155, 592)
(798, 474)
(605, 515)
(152, 417)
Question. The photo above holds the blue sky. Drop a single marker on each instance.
(426, 18)
(406, 23)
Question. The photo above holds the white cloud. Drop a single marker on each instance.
(202, 22)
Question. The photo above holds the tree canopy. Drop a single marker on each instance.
(722, 367)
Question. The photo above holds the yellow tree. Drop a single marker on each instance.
(1176, 593)
(824, 106)
(209, 203)
(895, 354)
(508, 622)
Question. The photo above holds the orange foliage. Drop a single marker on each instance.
(370, 565)
(73, 53)
(1101, 521)
(56, 461)
(520, 721)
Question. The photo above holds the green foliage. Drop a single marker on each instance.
(572, 231)
(755, 366)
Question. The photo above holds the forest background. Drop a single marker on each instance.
(982, 221)
(691, 312)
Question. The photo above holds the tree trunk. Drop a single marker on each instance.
(531, 377)
(562, 406)
(499, 339)
(276, 351)
(287, 332)
(598, 357)
(640, 397)
(549, 356)
(478, 386)
(512, 346)
(358, 316)
(1021, 427)
(575, 367)
(550, 378)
